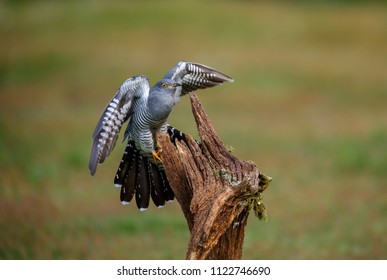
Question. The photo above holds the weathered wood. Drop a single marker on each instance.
(215, 190)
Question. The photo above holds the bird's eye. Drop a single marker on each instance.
(164, 85)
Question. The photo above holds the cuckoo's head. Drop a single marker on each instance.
(162, 98)
(167, 86)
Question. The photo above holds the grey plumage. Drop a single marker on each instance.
(141, 172)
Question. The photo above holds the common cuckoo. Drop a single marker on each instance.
(141, 171)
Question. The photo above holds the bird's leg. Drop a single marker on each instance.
(155, 153)
(156, 156)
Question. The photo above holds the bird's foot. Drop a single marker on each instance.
(156, 156)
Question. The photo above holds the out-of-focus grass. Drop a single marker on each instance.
(308, 106)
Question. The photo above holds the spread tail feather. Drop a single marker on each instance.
(139, 176)
(142, 184)
(155, 184)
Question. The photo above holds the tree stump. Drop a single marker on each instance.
(215, 190)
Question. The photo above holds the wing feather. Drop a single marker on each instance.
(118, 111)
(195, 76)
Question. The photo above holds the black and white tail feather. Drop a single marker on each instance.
(138, 175)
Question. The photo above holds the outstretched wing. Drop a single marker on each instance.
(118, 111)
(195, 76)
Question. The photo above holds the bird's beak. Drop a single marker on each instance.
(175, 85)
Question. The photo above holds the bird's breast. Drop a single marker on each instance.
(160, 109)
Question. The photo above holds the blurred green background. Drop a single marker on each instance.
(309, 106)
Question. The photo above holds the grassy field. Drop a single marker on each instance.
(309, 106)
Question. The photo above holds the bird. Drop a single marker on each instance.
(141, 173)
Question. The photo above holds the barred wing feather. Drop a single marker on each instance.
(118, 111)
(195, 76)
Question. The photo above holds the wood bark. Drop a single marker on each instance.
(215, 190)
